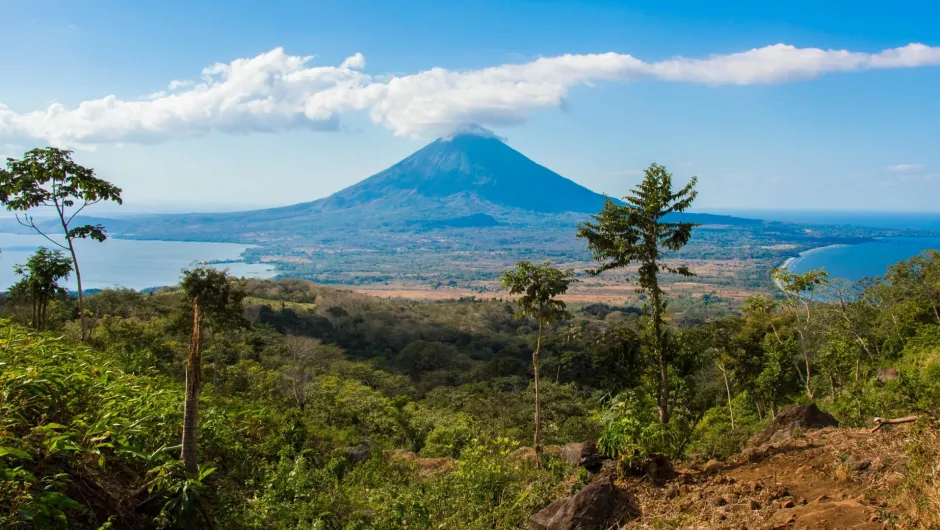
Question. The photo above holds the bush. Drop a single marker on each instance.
(632, 430)
(713, 436)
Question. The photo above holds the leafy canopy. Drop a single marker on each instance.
(48, 177)
(41, 273)
(220, 296)
(539, 285)
(622, 234)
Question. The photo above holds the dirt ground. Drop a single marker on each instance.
(828, 479)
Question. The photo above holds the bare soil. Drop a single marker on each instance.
(829, 479)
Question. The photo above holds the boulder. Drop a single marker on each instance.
(658, 469)
(789, 419)
(585, 455)
(589, 509)
(359, 453)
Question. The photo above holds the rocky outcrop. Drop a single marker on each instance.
(791, 419)
(586, 455)
(589, 509)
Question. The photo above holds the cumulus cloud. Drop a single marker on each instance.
(905, 168)
(275, 91)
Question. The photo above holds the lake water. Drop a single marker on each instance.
(852, 262)
(129, 263)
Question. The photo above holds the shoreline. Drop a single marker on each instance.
(789, 262)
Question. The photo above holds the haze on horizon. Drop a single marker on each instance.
(237, 106)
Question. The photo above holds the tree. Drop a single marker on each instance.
(308, 359)
(636, 232)
(724, 352)
(46, 178)
(800, 291)
(538, 285)
(216, 301)
(40, 283)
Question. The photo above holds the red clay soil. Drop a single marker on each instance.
(828, 479)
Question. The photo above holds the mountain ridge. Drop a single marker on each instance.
(468, 180)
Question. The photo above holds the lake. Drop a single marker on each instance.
(852, 262)
(130, 263)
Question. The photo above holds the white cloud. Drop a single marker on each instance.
(905, 168)
(275, 91)
(174, 84)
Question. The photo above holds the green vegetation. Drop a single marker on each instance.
(49, 178)
(40, 283)
(313, 407)
(538, 285)
(638, 232)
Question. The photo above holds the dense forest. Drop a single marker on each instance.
(324, 408)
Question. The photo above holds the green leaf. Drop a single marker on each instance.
(16, 453)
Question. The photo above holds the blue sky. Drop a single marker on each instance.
(776, 128)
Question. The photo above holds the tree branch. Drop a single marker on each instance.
(32, 225)
(82, 207)
(881, 422)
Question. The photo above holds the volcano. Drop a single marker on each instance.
(478, 168)
(471, 179)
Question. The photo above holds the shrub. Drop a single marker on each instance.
(633, 432)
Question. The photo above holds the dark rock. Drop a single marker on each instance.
(589, 509)
(789, 419)
(585, 455)
(755, 505)
(360, 452)
(658, 469)
(610, 467)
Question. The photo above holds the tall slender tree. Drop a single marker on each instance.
(539, 286)
(49, 178)
(801, 291)
(637, 232)
(216, 302)
(723, 352)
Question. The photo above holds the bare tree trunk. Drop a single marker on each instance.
(191, 408)
(808, 379)
(664, 411)
(809, 388)
(83, 321)
(724, 374)
(538, 404)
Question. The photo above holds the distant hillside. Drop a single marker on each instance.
(472, 180)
